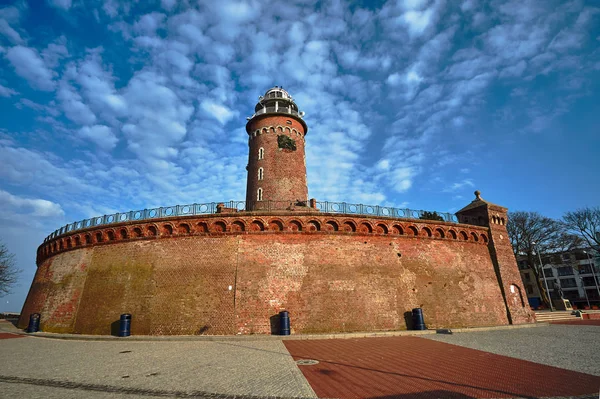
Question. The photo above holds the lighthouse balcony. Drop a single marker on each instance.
(278, 110)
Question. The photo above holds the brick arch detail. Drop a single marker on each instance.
(258, 225)
(365, 227)
(218, 226)
(397, 229)
(238, 225)
(276, 224)
(349, 226)
(382, 228)
(313, 225)
(332, 225)
(252, 224)
(295, 225)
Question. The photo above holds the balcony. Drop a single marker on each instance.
(278, 110)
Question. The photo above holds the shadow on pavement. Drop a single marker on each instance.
(427, 395)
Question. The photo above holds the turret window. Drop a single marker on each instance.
(259, 194)
(260, 173)
(261, 153)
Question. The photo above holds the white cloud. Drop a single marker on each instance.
(460, 185)
(402, 178)
(168, 4)
(156, 118)
(63, 4)
(417, 21)
(32, 207)
(217, 111)
(73, 106)
(413, 77)
(149, 23)
(394, 79)
(10, 16)
(414, 4)
(6, 92)
(98, 86)
(101, 135)
(514, 70)
(29, 65)
(55, 52)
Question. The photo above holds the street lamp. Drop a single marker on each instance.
(544, 275)
(585, 292)
(593, 265)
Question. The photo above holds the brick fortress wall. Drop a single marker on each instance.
(230, 274)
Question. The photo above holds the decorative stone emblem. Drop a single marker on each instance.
(286, 143)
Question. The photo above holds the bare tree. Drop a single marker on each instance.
(530, 232)
(8, 271)
(586, 224)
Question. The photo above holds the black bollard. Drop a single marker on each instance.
(284, 323)
(417, 319)
(125, 325)
(34, 323)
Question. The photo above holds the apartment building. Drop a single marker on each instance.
(576, 272)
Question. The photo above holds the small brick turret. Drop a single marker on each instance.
(276, 159)
(495, 217)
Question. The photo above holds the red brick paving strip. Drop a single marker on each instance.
(9, 335)
(579, 322)
(421, 368)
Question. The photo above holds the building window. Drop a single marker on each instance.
(261, 153)
(260, 173)
(529, 289)
(259, 195)
(565, 271)
(571, 295)
(588, 281)
(568, 283)
(585, 269)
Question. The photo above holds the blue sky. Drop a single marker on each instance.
(110, 106)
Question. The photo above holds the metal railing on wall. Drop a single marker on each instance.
(212, 207)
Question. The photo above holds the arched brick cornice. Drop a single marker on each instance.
(251, 223)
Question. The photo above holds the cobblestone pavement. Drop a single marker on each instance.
(413, 367)
(39, 367)
(36, 367)
(569, 347)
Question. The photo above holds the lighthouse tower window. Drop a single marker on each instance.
(260, 173)
(259, 195)
(261, 153)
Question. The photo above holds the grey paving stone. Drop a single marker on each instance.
(261, 368)
(570, 347)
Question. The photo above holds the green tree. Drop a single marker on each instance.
(8, 271)
(426, 215)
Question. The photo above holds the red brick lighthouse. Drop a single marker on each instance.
(276, 159)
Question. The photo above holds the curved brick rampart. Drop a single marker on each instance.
(232, 273)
